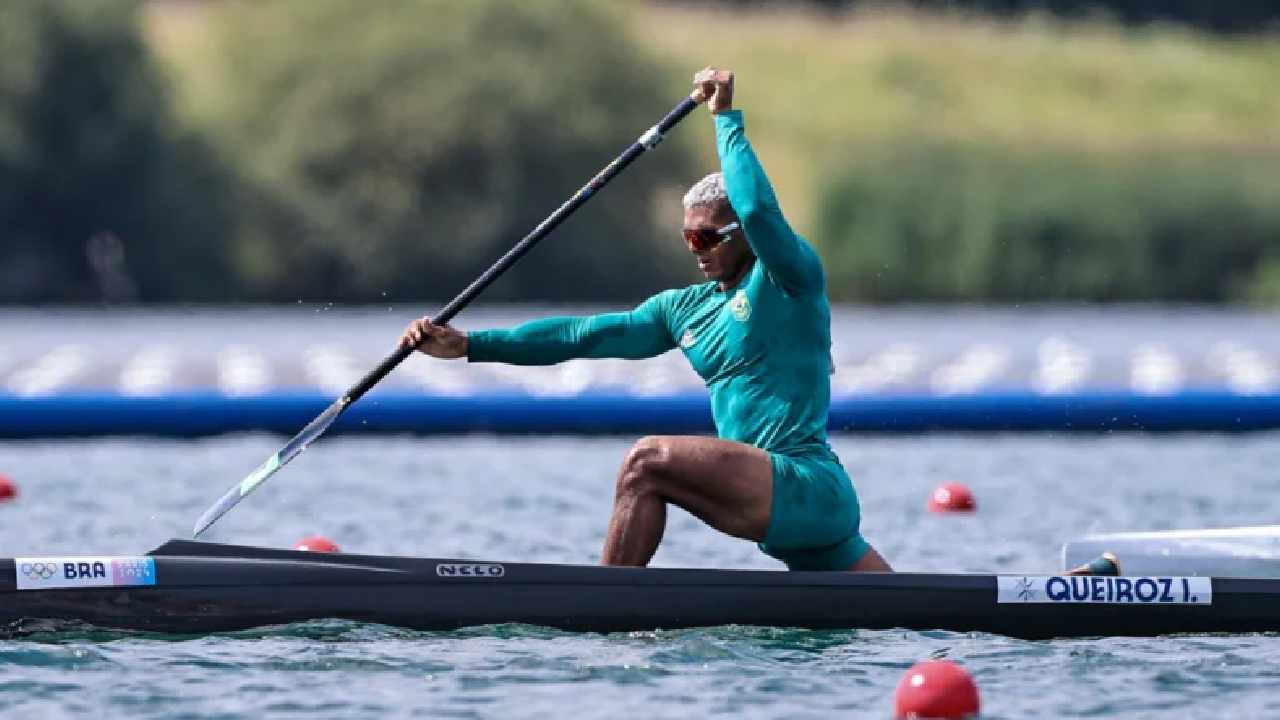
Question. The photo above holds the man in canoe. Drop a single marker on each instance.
(759, 333)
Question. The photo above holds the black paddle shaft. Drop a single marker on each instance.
(316, 427)
(648, 141)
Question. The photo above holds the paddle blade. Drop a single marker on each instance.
(293, 449)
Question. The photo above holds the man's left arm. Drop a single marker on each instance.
(640, 333)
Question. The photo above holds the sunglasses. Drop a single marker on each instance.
(703, 239)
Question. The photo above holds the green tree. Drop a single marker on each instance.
(1238, 16)
(964, 222)
(101, 195)
(399, 147)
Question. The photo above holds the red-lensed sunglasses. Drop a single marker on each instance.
(703, 239)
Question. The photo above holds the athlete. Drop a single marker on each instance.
(759, 334)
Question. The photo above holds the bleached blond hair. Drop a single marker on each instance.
(708, 192)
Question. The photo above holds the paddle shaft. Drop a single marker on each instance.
(646, 142)
(321, 422)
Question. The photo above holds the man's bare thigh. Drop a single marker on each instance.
(726, 484)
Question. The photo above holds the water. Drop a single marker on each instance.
(547, 499)
(152, 351)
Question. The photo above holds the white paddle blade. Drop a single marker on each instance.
(238, 491)
(293, 449)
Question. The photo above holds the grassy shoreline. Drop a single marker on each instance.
(811, 81)
(946, 156)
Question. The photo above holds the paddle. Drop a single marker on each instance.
(316, 427)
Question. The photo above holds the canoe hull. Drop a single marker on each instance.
(204, 587)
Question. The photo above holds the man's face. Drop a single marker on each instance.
(725, 259)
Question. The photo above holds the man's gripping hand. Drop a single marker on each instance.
(714, 87)
(440, 341)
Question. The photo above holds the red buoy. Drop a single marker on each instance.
(936, 689)
(8, 490)
(317, 543)
(951, 497)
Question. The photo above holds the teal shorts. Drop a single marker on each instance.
(813, 524)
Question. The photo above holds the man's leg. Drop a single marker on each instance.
(728, 485)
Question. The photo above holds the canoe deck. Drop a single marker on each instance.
(197, 587)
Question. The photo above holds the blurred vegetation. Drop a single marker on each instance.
(811, 83)
(955, 158)
(1237, 16)
(341, 151)
(398, 153)
(102, 194)
(948, 222)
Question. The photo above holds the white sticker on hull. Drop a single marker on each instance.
(1104, 589)
(83, 572)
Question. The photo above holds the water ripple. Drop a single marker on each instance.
(416, 496)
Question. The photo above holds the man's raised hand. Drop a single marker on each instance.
(715, 87)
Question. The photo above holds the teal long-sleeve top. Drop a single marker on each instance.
(763, 347)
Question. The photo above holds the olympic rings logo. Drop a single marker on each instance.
(39, 570)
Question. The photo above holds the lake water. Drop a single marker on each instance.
(547, 499)
(940, 350)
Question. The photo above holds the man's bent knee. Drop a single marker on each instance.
(645, 463)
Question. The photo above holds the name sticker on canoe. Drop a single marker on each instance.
(1104, 589)
(470, 570)
(84, 572)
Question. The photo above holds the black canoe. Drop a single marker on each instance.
(198, 587)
